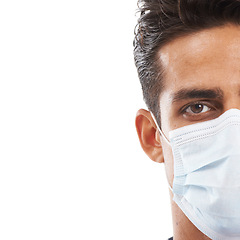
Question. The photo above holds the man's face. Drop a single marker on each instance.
(202, 80)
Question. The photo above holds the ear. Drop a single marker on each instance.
(149, 136)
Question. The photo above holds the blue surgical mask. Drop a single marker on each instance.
(206, 183)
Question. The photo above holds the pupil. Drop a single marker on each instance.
(197, 108)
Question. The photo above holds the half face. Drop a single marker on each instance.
(202, 80)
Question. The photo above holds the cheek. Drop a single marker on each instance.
(168, 162)
(168, 113)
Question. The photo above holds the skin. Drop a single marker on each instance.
(202, 81)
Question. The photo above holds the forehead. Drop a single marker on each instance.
(207, 59)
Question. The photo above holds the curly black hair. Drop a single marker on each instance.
(160, 22)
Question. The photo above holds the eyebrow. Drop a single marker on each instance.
(187, 93)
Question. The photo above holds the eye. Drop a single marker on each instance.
(201, 110)
(197, 108)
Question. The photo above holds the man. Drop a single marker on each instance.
(187, 53)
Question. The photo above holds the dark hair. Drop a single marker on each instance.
(160, 22)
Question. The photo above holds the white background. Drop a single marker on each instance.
(71, 166)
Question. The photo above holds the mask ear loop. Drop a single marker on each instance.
(160, 130)
(164, 137)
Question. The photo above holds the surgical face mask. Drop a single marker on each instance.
(206, 183)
